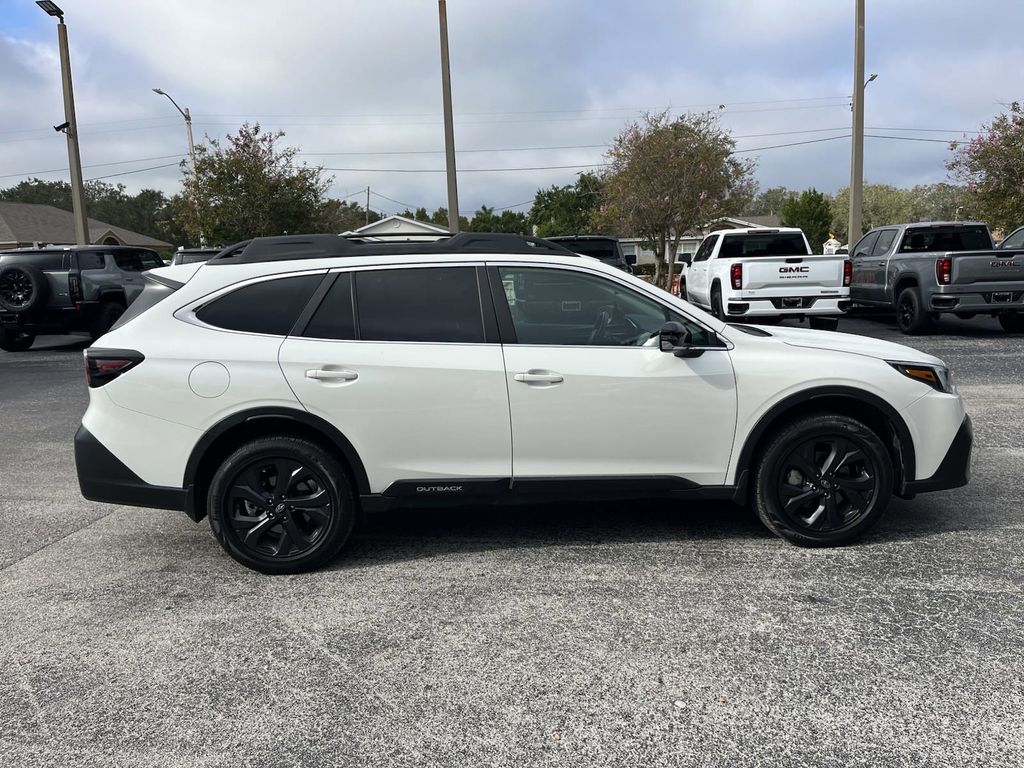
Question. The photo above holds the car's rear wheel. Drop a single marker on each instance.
(1012, 322)
(281, 505)
(911, 316)
(15, 341)
(823, 481)
(109, 313)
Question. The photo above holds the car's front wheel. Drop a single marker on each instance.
(823, 481)
(281, 505)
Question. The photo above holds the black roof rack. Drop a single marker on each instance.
(294, 247)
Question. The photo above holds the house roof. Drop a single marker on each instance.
(28, 223)
(399, 225)
(749, 222)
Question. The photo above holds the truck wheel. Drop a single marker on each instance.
(910, 314)
(23, 287)
(108, 314)
(823, 481)
(682, 291)
(15, 341)
(716, 304)
(823, 323)
(1012, 322)
(281, 505)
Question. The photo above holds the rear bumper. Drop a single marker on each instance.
(103, 477)
(955, 469)
(51, 320)
(1010, 299)
(785, 306)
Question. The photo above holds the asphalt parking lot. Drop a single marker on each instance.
(614, 634)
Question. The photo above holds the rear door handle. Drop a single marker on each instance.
(534, 376)
(322, 374)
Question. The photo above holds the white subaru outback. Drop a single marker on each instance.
(292, 382)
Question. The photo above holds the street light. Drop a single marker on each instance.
(70, 125)
(191, 146)
(188, 125)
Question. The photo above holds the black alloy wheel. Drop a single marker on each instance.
(13, 340)
(281, 505)
(826, 484)
(823, 480)
(16, 289)
(910, 315)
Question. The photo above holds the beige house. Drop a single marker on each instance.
(28, 224)
(400, 228)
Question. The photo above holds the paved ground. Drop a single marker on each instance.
(626, 634)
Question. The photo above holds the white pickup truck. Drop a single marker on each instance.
(764, 275)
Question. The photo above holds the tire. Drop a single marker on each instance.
(310, 535)
(823, 323)
(23, 288)
(911, 316)
(809, 507)
(682, 291)
(716, 304)
(966, 315)
(15, 341)
(1012, 322)
(108, 314)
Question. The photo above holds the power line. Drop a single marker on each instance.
(791, 144)
(466, 170)
(399, 202)
(514, 205)
(93, 165)
(137, 170)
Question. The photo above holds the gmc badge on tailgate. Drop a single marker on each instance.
(786, 270)
(1004, 263)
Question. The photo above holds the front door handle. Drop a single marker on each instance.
(322, 374)
(534, 376)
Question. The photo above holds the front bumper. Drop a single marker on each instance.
(103, 477)
(955, 469)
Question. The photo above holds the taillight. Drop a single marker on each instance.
(944, 270)
(74, 288)
(102, 366)
(847, 273)
(736, 276)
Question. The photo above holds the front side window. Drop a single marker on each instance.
(865, 245)
(270, 306)
(91, 260)
(150, 260)
(1015, 240)
(562, 307)
(884, 242)
(427, 304)
(128, 262)
(706, 248)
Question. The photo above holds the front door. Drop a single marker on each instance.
(865, 267)
(591, 394)
(404, 362)
(697, 288)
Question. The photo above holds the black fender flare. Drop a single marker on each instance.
(304, 418)
(904, 452)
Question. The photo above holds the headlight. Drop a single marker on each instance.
(937, 377)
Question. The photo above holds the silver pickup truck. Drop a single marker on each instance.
(926, 269)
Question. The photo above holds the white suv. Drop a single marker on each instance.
(292, 382)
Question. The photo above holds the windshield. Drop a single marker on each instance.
(924, 239)
(768, 244)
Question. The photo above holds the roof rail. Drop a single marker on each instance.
(295, 247)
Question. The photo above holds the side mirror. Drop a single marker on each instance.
(684, 258)
(631, 259)
(674, 337)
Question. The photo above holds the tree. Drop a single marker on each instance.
(812, 212)
(486, 220)
(343, 216)
(991, 166)
(940, 202)
(667, 177)
(769, 202)
(567, 210)
(251, 187)
(883, 204)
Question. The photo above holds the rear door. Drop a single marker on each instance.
(405, 362)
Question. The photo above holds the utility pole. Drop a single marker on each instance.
(367, 205)
(857, 156)
(449, 127)
(70, 126)
(191, 145)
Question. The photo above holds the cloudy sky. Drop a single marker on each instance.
(542, 85)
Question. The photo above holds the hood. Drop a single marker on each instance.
(848, 342)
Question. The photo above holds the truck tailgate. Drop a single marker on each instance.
(974, 267)
(792, 272)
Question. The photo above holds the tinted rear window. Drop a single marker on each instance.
(438, 304)
(334, 318)
(270, 307)
(91, 260)
(604, 250)
(774, 244)
(946, 239)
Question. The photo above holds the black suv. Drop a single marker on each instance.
(603, 248)
(67, 289)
